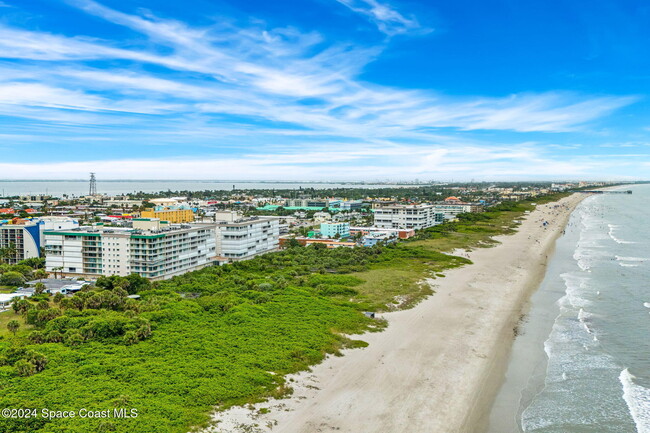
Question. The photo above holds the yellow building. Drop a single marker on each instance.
(171, 215)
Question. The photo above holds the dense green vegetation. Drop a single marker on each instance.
(220, 336)
(12, 276)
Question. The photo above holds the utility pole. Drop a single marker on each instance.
(93, 185)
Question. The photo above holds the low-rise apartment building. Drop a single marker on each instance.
(450, 210)
(239, 238)
(308, 202)
(399, 233)
(122, 201)
(452, 206)
(334, 230)
(175, 216)
(374, 238)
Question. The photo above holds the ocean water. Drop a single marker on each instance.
(583, 361)
(58, 188)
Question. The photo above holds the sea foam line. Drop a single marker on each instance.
(638, 401)
(631, 259)
(614, 238)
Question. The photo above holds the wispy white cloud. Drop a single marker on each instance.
(387, 19)
(626, 144)
(279, 86)
(548, 112)
(39, 95)
(270, 85)
(432, 162)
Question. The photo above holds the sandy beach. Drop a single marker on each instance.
(438, 366)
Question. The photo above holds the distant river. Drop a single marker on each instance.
(58, 188)
(583, 361)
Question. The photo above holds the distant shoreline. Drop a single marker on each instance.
(310, 182)
(79, 187)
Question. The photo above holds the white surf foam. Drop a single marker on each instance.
(646, 304)
(575, 288)
(635, 261)
(638, 401)
(581, 259)
(583, 317)
(612, 228)
(631, 259)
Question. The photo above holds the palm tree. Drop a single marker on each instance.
(13, 326)
(8, 253)
(40, 274)
(39, 288)
(55, 270)
(21, 306)
(24, 368)
(38, 360)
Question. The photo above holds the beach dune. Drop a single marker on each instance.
(438, 366)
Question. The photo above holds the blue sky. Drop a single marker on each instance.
(325, 89)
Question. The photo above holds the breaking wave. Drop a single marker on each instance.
(638, 401)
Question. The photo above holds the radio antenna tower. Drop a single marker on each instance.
(93, 184)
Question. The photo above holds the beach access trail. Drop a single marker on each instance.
(438, 366)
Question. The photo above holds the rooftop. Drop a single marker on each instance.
(54, 283)
(134, 232)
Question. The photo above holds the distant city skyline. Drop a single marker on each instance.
(332, 90)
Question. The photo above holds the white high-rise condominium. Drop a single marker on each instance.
(407, 217)
(241, 238)
(152, 249)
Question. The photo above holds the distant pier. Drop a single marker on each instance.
(606, 192)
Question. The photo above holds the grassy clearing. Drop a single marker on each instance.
(5, 334)
(479, 234)
(399, 283)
